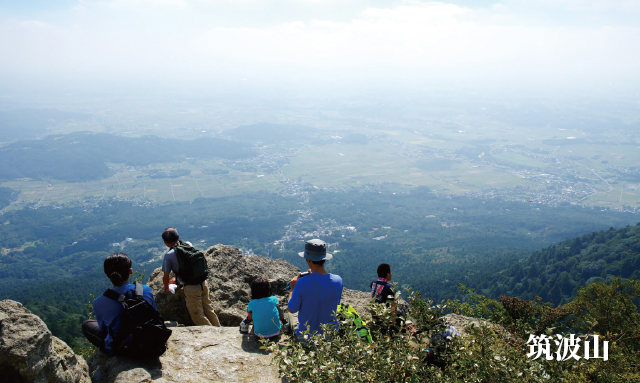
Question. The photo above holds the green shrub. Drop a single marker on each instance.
(611, 311)
(488, 352)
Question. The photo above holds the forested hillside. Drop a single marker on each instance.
(84, 156)
(557, 272)
(52, 257)
(436, 242)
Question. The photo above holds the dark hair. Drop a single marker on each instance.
(319, 263)
(170, 235)
(383, 270)
(260, 288)
(117, 266)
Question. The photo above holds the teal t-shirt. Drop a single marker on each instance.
(264, 312)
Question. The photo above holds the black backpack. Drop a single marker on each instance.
(142, 332)
(192, 264)
(380, 298)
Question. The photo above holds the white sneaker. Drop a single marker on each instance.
(244, 327)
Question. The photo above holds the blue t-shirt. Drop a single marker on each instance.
(315, 298)
(264, 312)
(107, 311)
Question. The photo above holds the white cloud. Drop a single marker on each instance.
(169, 38)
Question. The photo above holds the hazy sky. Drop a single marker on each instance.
(543, 42)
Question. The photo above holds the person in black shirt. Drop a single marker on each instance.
(383, 293)
(381, 289)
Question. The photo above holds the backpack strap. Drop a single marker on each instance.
(182, 265)
(138, 290)
(113, 295)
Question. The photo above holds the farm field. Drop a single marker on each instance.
(137, 186)
(451, 155)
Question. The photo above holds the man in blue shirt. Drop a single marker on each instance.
(101, 331)
(314, 295)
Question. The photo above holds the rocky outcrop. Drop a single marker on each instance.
(195, 355)
(229, 286)
(212, 354)
(29, 353)
(461, 322)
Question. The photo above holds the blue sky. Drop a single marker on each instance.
(499, 42)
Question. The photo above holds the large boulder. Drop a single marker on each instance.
(229, 286)
(29, 353)
(194, 354)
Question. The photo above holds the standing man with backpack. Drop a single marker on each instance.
(191, 270)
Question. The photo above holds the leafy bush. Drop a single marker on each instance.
(488, 352)
(531, 317)
(613, 312)
(341, 355)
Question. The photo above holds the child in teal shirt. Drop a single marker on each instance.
(263, 310)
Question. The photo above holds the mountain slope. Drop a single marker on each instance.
(557, 272)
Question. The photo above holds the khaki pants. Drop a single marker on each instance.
(199, 305)
(293, 321)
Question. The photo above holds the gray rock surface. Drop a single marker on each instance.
(229, 286)
(194, 355)
(29, 353)
(460, 322)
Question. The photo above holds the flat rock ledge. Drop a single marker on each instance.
(194, 355)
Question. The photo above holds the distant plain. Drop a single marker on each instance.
(521, 155)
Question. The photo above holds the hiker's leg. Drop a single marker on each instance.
(293, 321)
(193, 296)
(207, 306)
(93, 334)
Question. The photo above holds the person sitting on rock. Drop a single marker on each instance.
(263, 311)
(381, 289)
(197, 296)
(101, 331)
(383, 293)
(314, 295)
